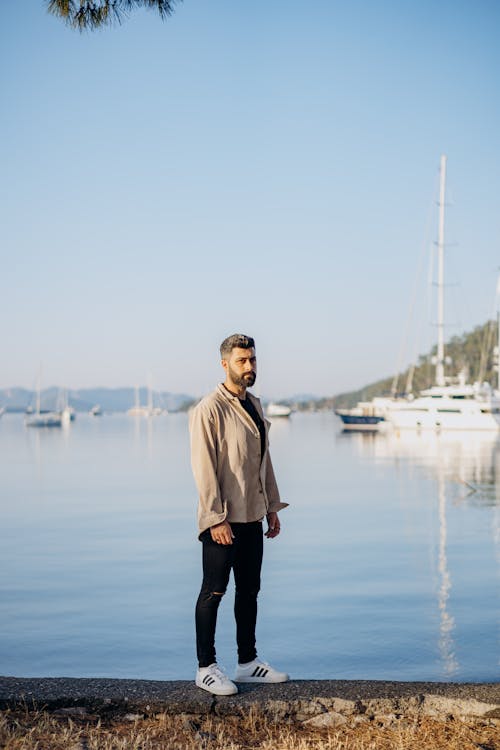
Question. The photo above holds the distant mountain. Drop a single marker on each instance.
(110, 399)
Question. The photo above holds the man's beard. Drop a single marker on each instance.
(243, 381)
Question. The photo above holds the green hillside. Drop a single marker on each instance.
(472, 352)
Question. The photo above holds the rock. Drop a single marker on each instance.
(278, 710)
(439, 706)
(345, 707)
(308, 709)
(133, 717)
(329, 719)
(380, 707)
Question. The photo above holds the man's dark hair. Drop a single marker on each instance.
(236, 341)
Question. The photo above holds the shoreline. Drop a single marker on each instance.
(312, 702)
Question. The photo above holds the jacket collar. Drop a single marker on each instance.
(232, 397)
(235, 401)
(227, 394)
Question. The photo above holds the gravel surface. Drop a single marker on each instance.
(296, 696)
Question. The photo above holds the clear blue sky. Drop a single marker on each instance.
(265, 167)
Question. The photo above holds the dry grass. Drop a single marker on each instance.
(25, 730)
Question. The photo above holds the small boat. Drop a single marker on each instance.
(96, 411)
(67, 416)
(366, 416)
(66, 411)
(274, 409)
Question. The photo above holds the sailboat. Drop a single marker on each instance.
(447, 405)
(40, 418)
(148, 410)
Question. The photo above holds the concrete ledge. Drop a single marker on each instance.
(315, 702)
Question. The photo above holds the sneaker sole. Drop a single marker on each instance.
(270, 681)
(221, 691)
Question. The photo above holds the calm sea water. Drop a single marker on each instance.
(387, 566)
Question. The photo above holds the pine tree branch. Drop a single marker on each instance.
(94, 14)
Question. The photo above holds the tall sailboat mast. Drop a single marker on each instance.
(440, 281)
(39, 391)
(150, 394)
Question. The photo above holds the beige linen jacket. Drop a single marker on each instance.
(233, 482)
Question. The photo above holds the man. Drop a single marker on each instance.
(237, 489)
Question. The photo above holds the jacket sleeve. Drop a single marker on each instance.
(211, 508)
(272, 492)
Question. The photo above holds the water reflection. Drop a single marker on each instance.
(143, 426)
(465, 467)
(447, 622)
(466, 458)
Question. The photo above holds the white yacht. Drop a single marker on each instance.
(447, 405)
(277, 410)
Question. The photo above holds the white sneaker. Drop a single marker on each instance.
(214, 680)
(259, 671)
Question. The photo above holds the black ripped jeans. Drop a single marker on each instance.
(244, 556)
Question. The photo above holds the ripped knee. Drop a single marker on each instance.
(214, 597)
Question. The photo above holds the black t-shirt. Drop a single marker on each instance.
(250, 409)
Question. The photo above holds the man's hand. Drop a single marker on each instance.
(222, 533)
(273, 525)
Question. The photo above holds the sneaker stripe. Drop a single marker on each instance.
(259, 672)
